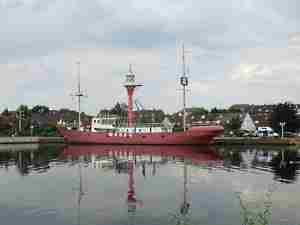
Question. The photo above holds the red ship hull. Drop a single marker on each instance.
(201, 135)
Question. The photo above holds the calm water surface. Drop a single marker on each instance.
(146, 185)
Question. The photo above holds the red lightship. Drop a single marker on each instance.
(105, 130)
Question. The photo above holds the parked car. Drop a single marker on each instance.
(266, 132)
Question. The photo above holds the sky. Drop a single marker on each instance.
(237, 51)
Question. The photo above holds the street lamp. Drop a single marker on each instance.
(20, 116)
(31, 130)
(282, 124)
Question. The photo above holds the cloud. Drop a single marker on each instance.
(264, 75)
(238, 50)
(274, 66)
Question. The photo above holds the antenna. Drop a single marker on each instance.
(183, 61)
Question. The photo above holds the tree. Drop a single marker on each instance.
(118, 110)
(234, 124)
(103, 112)
(283, 168)
(23, 109)
(198, 111)
(24, 114)
(5, 127)
(216, 110)
(285, 112)
(40, 109)
(150, 116)
(5, 112)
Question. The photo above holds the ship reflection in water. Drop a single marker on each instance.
(142, 184)
(128, 159)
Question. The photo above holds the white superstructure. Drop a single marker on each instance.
(110, 124)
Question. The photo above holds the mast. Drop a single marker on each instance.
(184, 84)
(79, 95)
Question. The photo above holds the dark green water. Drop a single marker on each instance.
(113, 185)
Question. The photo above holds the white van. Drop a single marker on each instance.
(266, 132)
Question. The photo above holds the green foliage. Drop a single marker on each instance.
(5, 126)
(285, 112)
(40, 109)
(150, 116)
(23, 114)
(234, 124)
(24, 110)
(68, 115)
(234, 109)
(117, 110)
(5, 112)
(48, 131)
(177, 128)
(216, 110)
(198, 111)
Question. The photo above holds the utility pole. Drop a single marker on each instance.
(282, 124)
(20, 116)
(31, 130)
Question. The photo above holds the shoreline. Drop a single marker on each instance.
(217, 141)
(31, 140)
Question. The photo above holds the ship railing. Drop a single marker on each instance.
(195, 124)
(141, 125)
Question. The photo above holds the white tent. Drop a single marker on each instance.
(248, 124)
